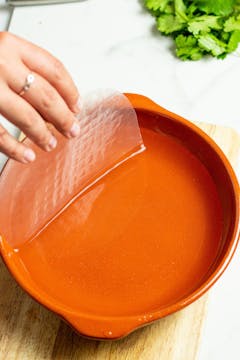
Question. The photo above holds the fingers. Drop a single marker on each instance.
(23, 115)
(46, 100)
(50, 68)
(15, 150)
(52, 97)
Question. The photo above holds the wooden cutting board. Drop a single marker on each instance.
(28, 331)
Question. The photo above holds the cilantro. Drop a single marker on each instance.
(232, 24)
(192, 9)
(169, 9)
(168, 24)
(234, 41)
(203, 23)
(156, 4)
(211, 44)
(199, 27)
(216, 7)
(225, 36)
(187, 48)
(180, 10)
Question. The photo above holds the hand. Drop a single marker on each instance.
(51, 98)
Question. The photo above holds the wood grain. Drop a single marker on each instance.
(28, 331)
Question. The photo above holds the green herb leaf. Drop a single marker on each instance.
(180, 10)
(199, 27)
(168, 24)
(203, 23)
(187, 48)
(216, 7)
(156, 4)
(192, 9)
(210, 43)
(234, 41)
(232, 24)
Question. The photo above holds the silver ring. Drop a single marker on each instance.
(29, 80)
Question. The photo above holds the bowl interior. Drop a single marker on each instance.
(143, 238)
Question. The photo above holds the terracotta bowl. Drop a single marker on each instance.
(147, 240)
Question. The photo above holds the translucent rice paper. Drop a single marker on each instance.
(32, 195)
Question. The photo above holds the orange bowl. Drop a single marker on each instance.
(145, 241)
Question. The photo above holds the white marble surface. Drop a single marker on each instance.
(113, 44)
(5, 14)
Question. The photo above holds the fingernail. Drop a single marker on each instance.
(52, 143)
(29, 155)
(75, 129)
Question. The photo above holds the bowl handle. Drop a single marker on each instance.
(143, 102)
(104, 328)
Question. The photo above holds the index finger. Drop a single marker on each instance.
(49, 67)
